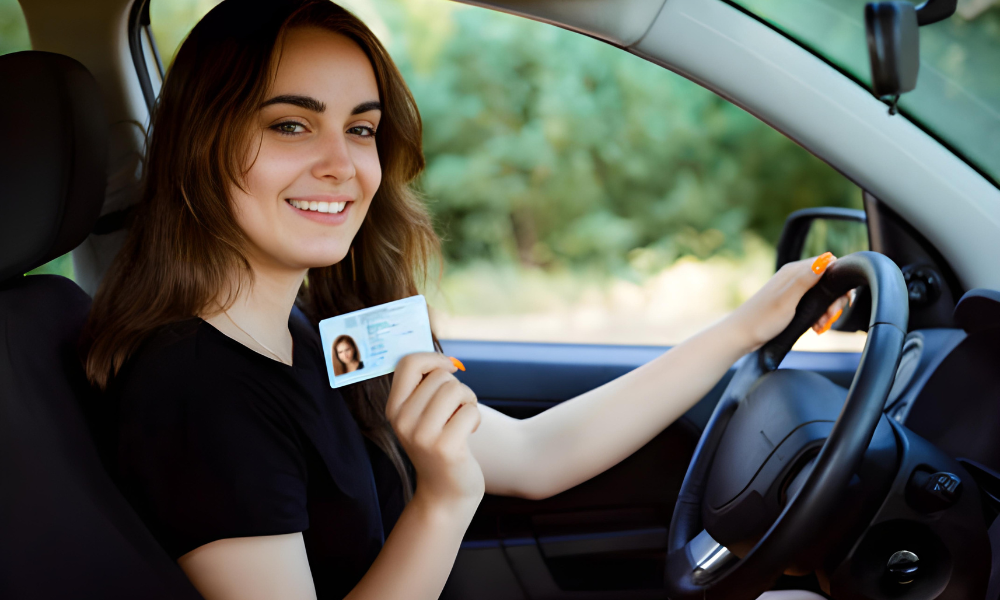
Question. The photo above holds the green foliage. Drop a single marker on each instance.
(552, 149)
(171, 20)
(13, 29)
(57, 266)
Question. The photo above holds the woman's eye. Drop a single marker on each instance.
(289, 128)
(362, 131)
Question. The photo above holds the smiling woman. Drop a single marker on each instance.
(267, 117)
(316, 150)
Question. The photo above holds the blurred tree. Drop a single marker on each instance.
(553, 149)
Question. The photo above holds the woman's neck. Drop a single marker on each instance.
(258, 316)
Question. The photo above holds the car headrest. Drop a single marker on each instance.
(53, 158)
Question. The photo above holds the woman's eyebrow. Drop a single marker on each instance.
(367, 106)
(305, 102)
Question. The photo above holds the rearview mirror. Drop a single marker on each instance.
(893, 47)
(894, 43)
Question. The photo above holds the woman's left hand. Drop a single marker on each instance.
(768, 312)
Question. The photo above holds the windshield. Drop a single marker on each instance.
(958, 90)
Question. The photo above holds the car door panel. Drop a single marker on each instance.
(605, 538)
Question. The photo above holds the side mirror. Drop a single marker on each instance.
(813, 231)
(894, 43)
(843, 231)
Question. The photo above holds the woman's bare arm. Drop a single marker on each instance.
(251, 568)
(414, 563)
(582, 437)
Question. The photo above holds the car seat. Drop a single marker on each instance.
(65, 530)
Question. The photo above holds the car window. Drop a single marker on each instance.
(584, 195)
(958, 90)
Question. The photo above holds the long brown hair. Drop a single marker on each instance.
(185, 246)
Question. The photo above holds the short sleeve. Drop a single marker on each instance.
(204, 458)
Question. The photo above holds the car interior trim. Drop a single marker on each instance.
(618, 22)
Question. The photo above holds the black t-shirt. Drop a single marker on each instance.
(217, 441)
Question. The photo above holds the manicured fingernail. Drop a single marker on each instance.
(830, 323)
(822, 262)
(458, 364)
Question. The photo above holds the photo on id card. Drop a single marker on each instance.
(369, 342)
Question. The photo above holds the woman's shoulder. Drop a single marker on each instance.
(167, 348)
(180, 359)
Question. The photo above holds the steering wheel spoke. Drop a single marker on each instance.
(708, 557)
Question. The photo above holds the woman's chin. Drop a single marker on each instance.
(318, 260)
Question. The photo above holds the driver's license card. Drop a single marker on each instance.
(369, 342)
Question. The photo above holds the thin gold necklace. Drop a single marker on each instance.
(260, 343)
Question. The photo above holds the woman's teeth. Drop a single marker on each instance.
(323, 207)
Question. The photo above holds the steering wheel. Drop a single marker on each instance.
(756, 480)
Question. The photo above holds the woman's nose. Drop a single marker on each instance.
(334, 160)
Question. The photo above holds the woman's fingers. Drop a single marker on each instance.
(410, 371)
(460, 426)
(447, 401)
(832, 313)
(815, 268)
(412, 409)
(796, 278)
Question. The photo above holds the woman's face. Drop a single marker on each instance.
(345, 353)
(309, 186)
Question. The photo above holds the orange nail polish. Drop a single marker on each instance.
(822, 262)
(458, 364)
(830, 323)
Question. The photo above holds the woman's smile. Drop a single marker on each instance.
(330, 210)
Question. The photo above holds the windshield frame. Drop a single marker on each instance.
(907, 114)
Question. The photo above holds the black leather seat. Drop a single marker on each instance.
(65, 531)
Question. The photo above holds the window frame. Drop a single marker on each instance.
(145, 54)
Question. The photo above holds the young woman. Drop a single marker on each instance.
(347, 358)
(277, 175)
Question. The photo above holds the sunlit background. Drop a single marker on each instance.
(583, 194)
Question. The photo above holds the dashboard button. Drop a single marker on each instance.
(928, 492)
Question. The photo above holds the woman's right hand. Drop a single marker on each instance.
(433, 414)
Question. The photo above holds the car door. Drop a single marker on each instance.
(605, 538)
